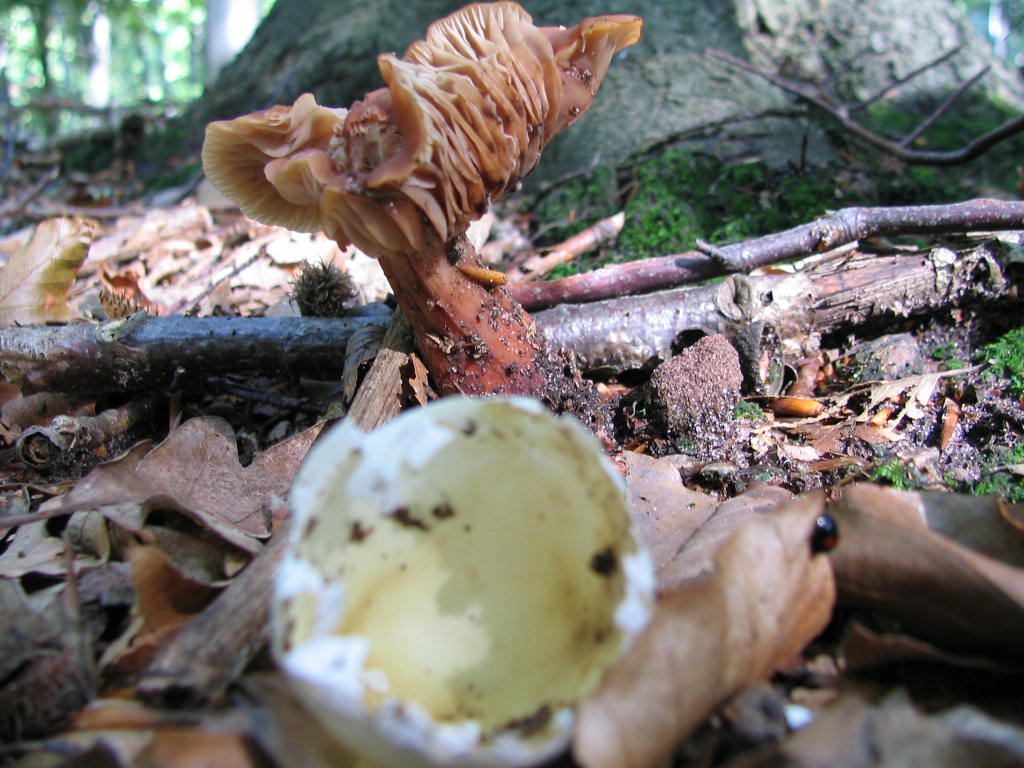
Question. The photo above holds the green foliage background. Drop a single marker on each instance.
(45, 55)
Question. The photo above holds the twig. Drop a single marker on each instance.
(49, 210)
(842, 227)
(146, 352)
(970, 151)
(267, 397)
(236, 269)
(43, 446)
(536, 266)
(942, 108)
(18, 206)
(716, 253)
(898, 81)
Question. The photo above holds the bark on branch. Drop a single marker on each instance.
(844, 226)
(834, 290)
(142, 352)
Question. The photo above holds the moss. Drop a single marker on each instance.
(1002, 476)
(949, 354)
(675, 197)
(900, 476)
(745, 409)
(1006, 358)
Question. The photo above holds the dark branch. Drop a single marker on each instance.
(841, 114)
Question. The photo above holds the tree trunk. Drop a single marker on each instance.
(663, 90)
(229, 25)
(99, 61)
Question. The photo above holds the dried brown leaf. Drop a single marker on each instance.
(767, 598)
(42, 683)
(35, 282)
(853, 733)
(33, 550)
(889, 560)
(665, 512)
(697, 556)
(982, 523)
(863, 648)
(164, 600)
(285, 731)
(195, 470)
(196, 748)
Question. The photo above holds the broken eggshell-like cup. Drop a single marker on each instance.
(456, 582)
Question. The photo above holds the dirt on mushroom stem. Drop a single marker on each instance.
(475, 339)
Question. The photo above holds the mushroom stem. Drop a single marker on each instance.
(474, 338)
(463, 117)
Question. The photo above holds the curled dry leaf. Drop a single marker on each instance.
(665, 512)
(889, 560)
(164, 600)
(696, 557)
(34, 285)
(768, 597)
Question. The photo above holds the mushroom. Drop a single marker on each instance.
(431, 610)
(463, 117)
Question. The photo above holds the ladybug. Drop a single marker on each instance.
(825, 536)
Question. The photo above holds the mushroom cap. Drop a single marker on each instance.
(456, 582)
(465, 115)
(274, 162)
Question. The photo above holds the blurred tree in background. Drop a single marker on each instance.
(67, 65)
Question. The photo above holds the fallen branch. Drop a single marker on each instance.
(42, 447)
(145, 352)
(829, 291)
(842, 227)
(622, 333)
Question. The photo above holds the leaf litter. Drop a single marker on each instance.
(141, 544)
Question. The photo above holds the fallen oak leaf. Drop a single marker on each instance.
(195, 470)
(769, 595)
(864, 649)
(285, 730)
(41, 680)
(33, 549)
(190, 747)
(982, 523)
(890, 561)
(855, 732)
